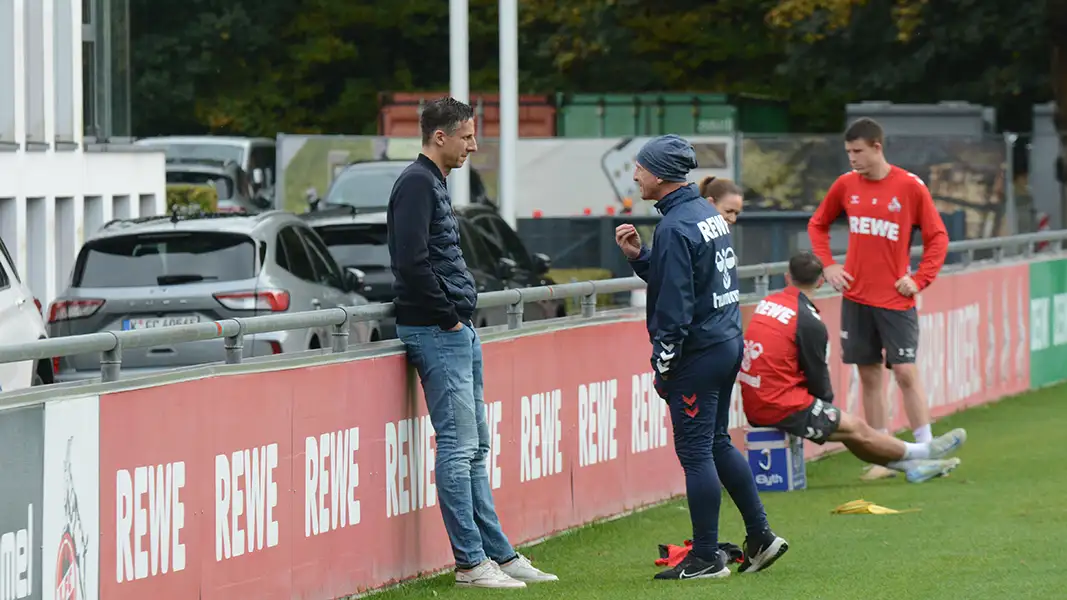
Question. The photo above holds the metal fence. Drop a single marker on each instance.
(973, 174)
(111, 343)
(968, 174)
(1038, 191)
(758, 237)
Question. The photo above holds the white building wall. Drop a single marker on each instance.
(53, 192)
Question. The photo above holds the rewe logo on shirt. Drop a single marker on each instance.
(875, 227)
(775, 311)
(713, 227)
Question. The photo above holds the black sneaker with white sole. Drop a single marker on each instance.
(761, 553)
(694, 567)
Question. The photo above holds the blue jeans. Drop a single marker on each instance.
(698, 392)
(449, 364)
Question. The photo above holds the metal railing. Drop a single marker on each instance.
(111, 343)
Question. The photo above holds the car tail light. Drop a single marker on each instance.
(37, 303)
(55, 364)
(268, 300)
(275, 347)
(68, 310)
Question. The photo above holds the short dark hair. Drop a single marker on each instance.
(445, 114)
(805, 268)
(865, 129)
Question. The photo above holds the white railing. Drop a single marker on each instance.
(111, 343)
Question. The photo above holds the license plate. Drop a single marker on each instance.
(154, 322)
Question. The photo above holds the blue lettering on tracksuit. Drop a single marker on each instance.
(691, 272)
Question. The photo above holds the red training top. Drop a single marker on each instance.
(784, 366)
(881, 216)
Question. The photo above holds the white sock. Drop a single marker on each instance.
(923, 434)
(916, 451)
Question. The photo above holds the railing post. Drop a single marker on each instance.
(589, 305)
(968, 258)
(514, 312)
(1010, 203)
(1029, 250)
(111, 363)
(763, 285)
(339, 336)
(998, 254)
(235, 344)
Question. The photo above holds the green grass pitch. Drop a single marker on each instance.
(995, 528)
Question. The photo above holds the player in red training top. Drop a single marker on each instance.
(785, 383)
(883, 203)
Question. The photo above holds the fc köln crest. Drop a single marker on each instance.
(70, 579)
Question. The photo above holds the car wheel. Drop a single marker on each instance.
(315, 345)
(375, 336)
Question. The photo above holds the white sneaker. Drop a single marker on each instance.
(943, 446)
(925, 470)
(487, 575)
(521, 569)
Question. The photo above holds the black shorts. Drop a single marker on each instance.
(817, 422)
(868, 330)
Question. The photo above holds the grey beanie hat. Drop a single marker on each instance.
(668, 157)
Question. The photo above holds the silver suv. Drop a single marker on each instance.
(173, 270)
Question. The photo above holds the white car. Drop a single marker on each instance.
(256, 158)
(21, 321)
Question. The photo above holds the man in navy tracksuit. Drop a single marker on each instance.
(694, 324)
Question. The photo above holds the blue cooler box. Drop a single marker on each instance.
(776, 459)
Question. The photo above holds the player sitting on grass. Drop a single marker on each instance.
(785, 383)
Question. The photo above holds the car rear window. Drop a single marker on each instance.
(170, 258)
(223, 184)
(365, 186)
(359, 245)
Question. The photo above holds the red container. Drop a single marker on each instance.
(399, 114)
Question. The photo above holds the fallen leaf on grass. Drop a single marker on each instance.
(863, 507)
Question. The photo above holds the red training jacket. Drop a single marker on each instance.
(881, 216)
(784, 365)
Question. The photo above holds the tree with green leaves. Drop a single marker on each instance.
(995, 52)
(267, 66)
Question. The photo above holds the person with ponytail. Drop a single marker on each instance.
(725, 195)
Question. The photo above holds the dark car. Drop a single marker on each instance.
(365, 185)
(525, 269)
(494, 255)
